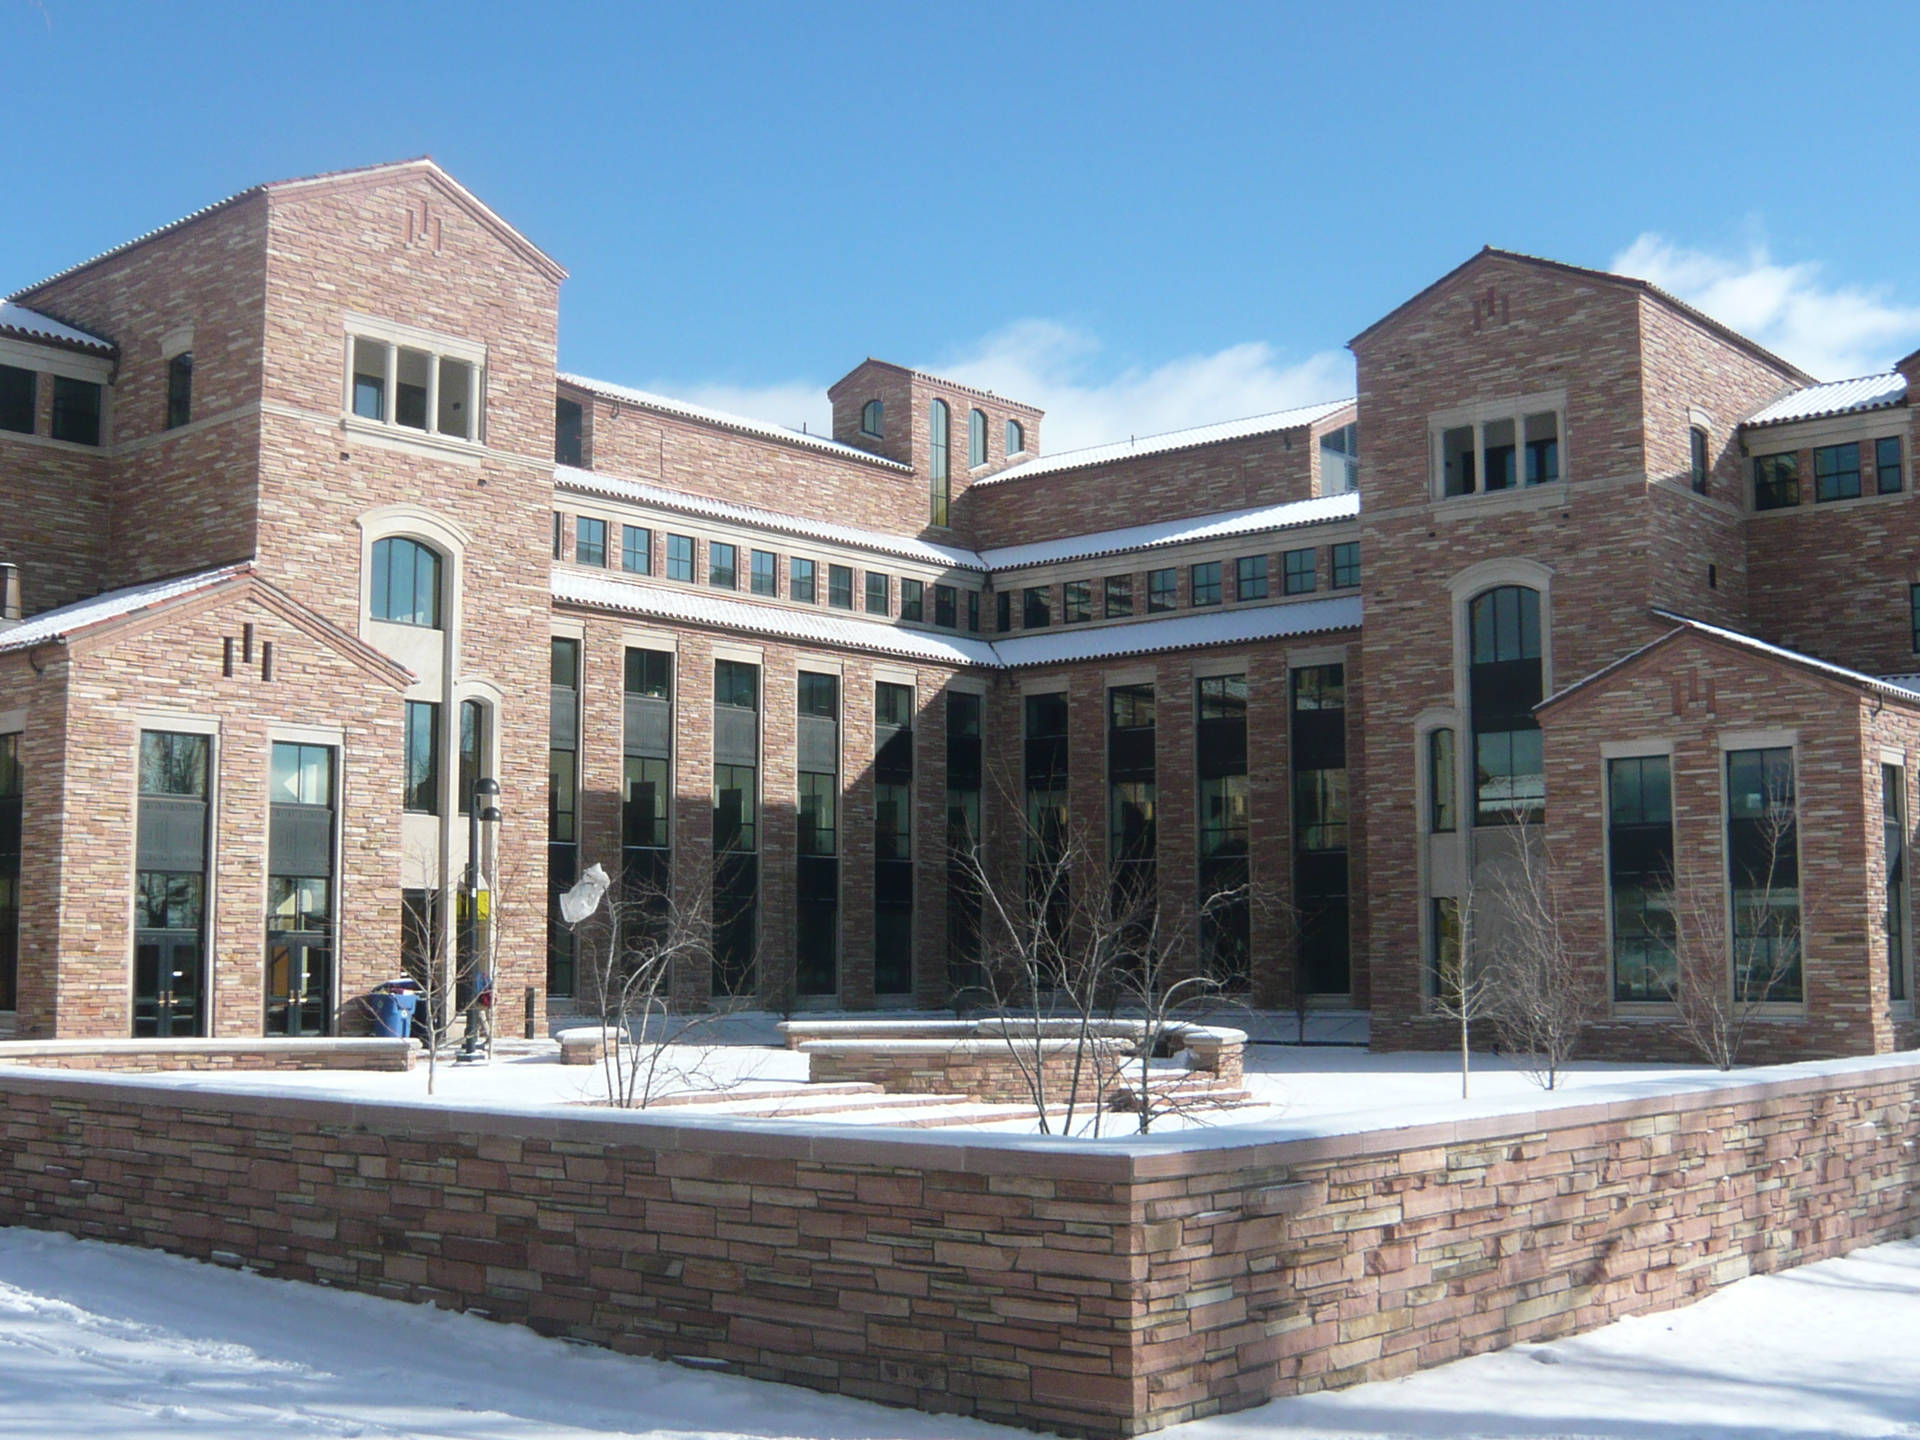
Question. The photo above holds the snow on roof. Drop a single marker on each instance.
(1270, 424)
(1838, 397)
(1181, 632)
(1318, 511)
(19, 320)
(52, 625)
(905, 546)
(761, 428)
(811, 626)
(1901, 687)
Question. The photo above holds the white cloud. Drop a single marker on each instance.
(1832, 332)
(1055, 367)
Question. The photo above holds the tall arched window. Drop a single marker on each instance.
(1505, 682)
(937, 479)
(1016, 438)
(872, 416)
(406, 583)
(977, 439)
(474, 747)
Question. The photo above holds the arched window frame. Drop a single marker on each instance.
(1016, 438)
(873, 419)
(1486, 608)
(939, 427)
(382, 557)
(976, 439)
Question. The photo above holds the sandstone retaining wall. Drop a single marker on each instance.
(1102, 1289)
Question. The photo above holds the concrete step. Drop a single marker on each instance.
(756, 1095)
(830, 1106)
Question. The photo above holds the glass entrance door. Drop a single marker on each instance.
(167, 984)
(299, 983)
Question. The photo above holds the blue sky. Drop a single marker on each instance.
(1138, 216)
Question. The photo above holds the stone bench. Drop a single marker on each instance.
(586, 1044)
(311, 1053)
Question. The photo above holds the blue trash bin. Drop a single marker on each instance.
(393, 1004)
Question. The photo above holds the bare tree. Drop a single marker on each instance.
(636, 949)
(1736, 954)
(1535, 1000)
(1462, 986)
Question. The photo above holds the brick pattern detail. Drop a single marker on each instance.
(1089, 1292)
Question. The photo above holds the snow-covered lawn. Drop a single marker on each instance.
(1312, 1090)
(97, 1340)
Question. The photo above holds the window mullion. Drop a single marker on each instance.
(391, 379)
(433, 393)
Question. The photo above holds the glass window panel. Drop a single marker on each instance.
(912, 599)
(1250, 577)
(636, 549)
(456, 399)
(173, 764)
(1543, 448)
(722, 565)
(1836, 472)
(1456, 461)
(650, 673)
(1119, 596)
(766, 572)
(1886, 464)
(370, 379)
(1206, 583)
(680, 557)
(412, 370)
(19, 395)
(76, 410)
(1298, 572)
(1497, 455)
(590, 540)
(800, 580)
(422, 795)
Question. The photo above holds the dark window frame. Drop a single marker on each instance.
(1299, 571)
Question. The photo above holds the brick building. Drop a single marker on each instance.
(306, 534)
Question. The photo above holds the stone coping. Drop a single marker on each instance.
(1209, 1151)
(957, 1045)
(122, 1047)
(998, 1028)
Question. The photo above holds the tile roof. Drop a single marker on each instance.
(816, 627)
(905, 546)
(31, 324)
(647, 400)
(1181, 632)
(54, 625)
(1319, 511)
(1269, 424)
(1837, 397)
(1902, 687)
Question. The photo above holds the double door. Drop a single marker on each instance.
(299, 983)
(169, 984)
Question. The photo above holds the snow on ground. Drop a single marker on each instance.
(103, 1340)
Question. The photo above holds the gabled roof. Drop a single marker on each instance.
(1685, 625)
(138, 604)
(358, 175)
(904, 546)
(1180, 632)
(1322, 510)
(1837, 397)
(814, 627)
(32, 325)
(942, 381)
(1605, 277)
(1269, 424)
(761, 429)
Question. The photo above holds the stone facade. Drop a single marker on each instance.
(1099, 1291)
(298, 463)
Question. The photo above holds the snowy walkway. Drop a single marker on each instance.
(96, 1340)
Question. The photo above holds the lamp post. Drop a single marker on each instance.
(481, 811)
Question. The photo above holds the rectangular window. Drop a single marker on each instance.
(1443, 953)
(636, 549)
(422, 794)
(735, 808)
(1206, 583)
(818, 819)
(1697, 456)
(589, 540)
(1346, 565)
(649, 673)
(800, 580)
(1163, 589)
(946, 606)
(1456, 461)
(1297, 572)
(722, 561)
(569, 425)
(76, 410)
(559, 529)
(643, 815)
(1250, 577)
(370, 379)
(1776, 481)
(878, 593)
(419, 389)
(1077, 604)
(736, 684)
(1640, 879)
(1893, 818)
(1036, 611)
(1763, 872)
(680, 557)
(1443, 809)
(1499, 452)
(19, 394)
(179, 390)
(1913, 608)
(1497, 455)
(1543, 448)
(973, 611)
(1836, 472)
(765, 570)
(1004, 607)
(840, 586)
(1886, 464)
(912, 600)
(1119, 590)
